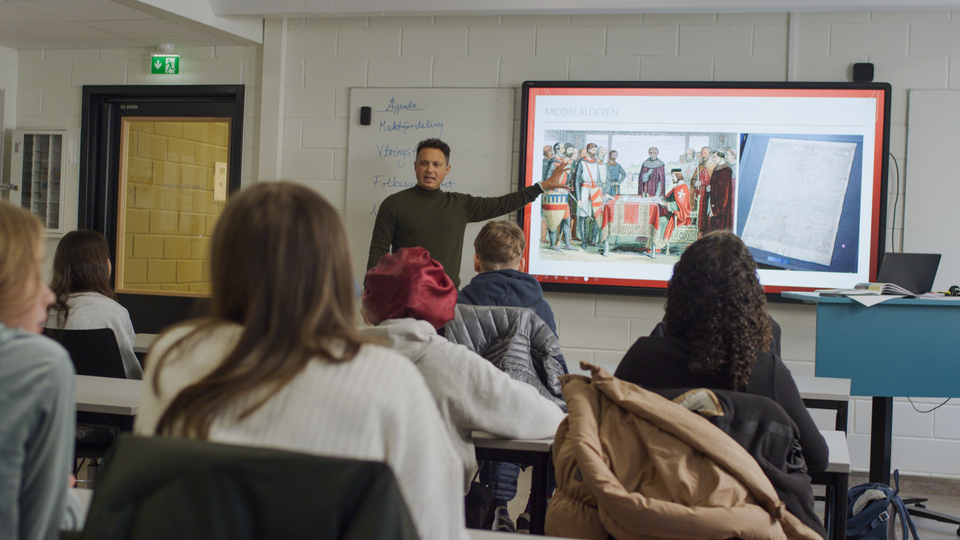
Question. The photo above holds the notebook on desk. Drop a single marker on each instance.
(914, 272)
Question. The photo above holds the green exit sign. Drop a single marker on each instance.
(165, 64)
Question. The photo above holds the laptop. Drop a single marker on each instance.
(914, 272)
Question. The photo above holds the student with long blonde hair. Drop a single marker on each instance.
(37, 412)
(280, 362)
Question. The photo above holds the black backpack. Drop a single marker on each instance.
(875, 512)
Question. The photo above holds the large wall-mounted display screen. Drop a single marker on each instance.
(796, 170)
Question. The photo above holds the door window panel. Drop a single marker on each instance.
(169, 202)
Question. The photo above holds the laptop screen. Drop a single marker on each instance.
(912, 271)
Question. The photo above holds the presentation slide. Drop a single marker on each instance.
(794, 172)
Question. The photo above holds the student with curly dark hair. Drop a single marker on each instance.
(717, 335)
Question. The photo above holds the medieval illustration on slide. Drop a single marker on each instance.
(636, 196)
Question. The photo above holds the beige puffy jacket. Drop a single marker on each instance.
(634, 465)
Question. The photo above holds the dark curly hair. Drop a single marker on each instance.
(435, 143)
(715, 302)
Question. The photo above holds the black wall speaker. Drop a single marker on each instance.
(863, 72)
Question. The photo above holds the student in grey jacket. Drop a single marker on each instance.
(37, 412)
(85, 300)
(409, 297)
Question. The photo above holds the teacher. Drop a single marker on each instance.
(428, 217)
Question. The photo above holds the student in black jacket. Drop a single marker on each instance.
(717, 335)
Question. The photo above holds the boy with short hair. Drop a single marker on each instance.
(498, 257)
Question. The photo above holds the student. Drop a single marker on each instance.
(85, 301)
(498, 256)
(37, 411)
(280, 362)
(409, 297)
(717, 335)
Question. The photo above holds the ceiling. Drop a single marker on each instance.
(364, 8)
(67, 24)
(95, 24)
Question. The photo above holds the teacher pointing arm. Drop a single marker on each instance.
(429, 217)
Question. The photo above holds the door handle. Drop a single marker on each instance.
(9, 187)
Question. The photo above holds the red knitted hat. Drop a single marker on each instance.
(409, 283)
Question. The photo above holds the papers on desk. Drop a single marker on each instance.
(865, 297)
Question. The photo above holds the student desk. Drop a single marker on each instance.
(535, 452)
(901, 347)
(477, 534)
(142, 343)
(116, 399)
(835, 478)
(826, 393)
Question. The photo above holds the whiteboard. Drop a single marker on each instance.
(931, 183)
(476, 123)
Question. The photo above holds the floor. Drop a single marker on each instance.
(943, 495)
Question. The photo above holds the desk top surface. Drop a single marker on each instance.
(142, 342)
(108, 396)
(486, 440)
(839, 452)
(817, 299)
(477, 534)
(824, 388)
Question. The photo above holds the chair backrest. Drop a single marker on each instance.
(156, 487)
(94, 352)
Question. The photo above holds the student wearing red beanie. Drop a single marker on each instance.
(409, 297)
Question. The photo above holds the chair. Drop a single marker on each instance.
(94, 352)
(663, 471)
(155, 487)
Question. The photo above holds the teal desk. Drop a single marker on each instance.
(902, 347)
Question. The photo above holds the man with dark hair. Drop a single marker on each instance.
(428, 217)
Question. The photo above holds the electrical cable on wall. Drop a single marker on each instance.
(928, 410)
(893, 247)
(896, 199)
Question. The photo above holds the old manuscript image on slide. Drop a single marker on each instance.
(796, 208)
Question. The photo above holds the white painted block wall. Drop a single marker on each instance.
(910, 50)
(326, 57)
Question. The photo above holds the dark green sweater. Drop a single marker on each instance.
(436, 220)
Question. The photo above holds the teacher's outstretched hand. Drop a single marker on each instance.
(554, 181)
